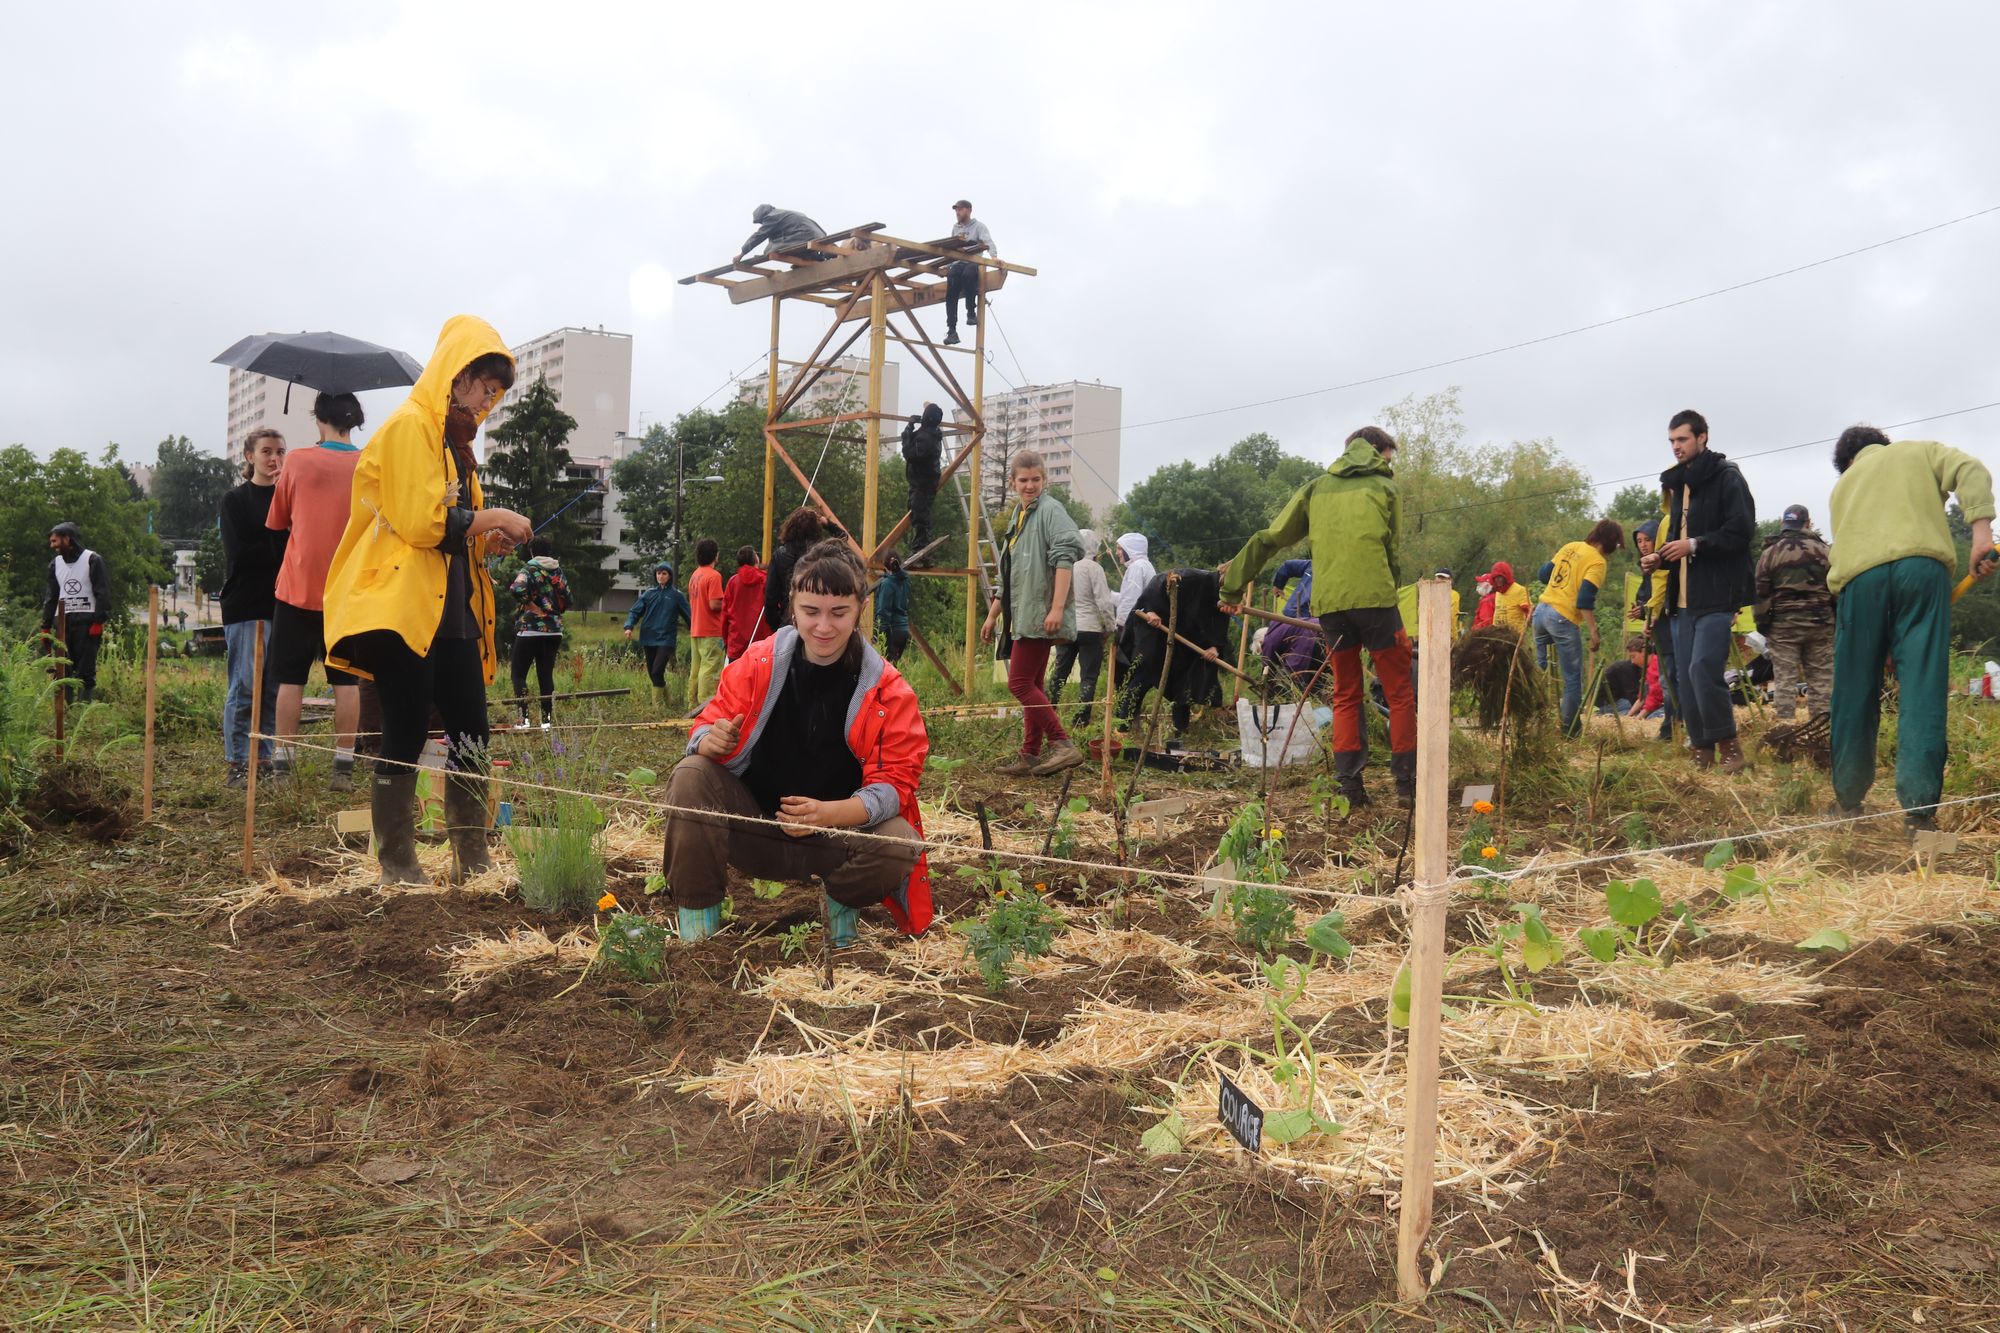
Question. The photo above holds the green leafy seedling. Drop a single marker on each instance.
(1169, 1136)
(1719, 856)
(655, 883)
(1632, 904)
(1399, 999)
(1689, 921)
(1742, 881)
(1828, 940)
(767, 888)
(1539, 948)
(796, 937)
(640, 777)
(1600, 942)
(632, 944)
(1324, 936)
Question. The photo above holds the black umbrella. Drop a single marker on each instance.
(328, 362)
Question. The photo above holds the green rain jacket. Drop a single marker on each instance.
(1035, 544)
(1354, 515)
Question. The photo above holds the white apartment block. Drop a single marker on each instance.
(843, 388)
(1074, 426)
(259, 400)
(590, 373)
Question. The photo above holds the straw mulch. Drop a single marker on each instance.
(1486, 1137)
(479, 959)
(1571, 1039)
(1696, 983)
(1804, 898)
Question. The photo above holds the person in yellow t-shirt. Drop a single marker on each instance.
(1569, 600)
(1502, 601)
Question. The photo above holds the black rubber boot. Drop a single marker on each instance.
(1347, 767)
(465, 821)
(1403, 767)
(392, 800)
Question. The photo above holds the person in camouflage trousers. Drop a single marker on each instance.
(1795, 614)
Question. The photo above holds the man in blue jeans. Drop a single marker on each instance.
(1711, 521)
(1569, 602)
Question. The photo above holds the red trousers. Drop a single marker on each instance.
(1392, 666)
(1027, 665)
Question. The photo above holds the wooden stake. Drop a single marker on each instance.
(60, 651)
(152, 696)
(1427, 921)
(1242, 652)
(256, 725)
(1110, 673)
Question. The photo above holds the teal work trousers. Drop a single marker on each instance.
(1899, 611)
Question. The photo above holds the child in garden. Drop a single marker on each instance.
(810, 732)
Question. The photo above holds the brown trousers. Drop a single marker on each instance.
(857, 872)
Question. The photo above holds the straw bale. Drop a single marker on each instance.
(1486, 1136)
(479, 959)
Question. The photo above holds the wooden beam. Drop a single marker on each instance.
(818, 500)
(917, 637)
(811, 277)
(813, 370)
(943, 250)
(911, 298)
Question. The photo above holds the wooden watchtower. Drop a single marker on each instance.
(856, 282)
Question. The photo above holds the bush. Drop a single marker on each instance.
(559, 853)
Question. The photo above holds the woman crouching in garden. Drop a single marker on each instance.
(810, 733)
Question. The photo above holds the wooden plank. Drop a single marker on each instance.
(152, 693)
(912, 298)
(917, 637)
(942, 251)
(812, 277)
(1427, 922)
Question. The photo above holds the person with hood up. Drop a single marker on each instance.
(810, 733)
(79, 584)
(408, 602)
(892, 607)
(780, 229)
(1039, 549)
(541, 595)
(743, 605)
(1502, 601)
(1706, 556)
(1650, 608)
(1134, 576)
(923, 453)
(253, 554)
(659, 613)
(1353, 514)
(1192, 677)
(802, 530)
(1794, 612)
(1893, 561)
(1096, 612)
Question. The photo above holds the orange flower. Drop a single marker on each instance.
(607, 902)
(1482, 807)
(1489, 852)
(1040, 887)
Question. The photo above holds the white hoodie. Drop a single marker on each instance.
(1138, 573)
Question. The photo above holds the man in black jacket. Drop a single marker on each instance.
(923, 450)
(1710, 523)
(780, 229)
(79, 584)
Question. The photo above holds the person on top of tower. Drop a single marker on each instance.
(962, 276)
(779, 229)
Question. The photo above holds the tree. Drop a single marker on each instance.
(188, 487)
(37, 494)
(211, 562)
(702, 440)
(1635, 504)
(529, 471)
(1199, 514)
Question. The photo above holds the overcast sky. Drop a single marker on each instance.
(1226, 203)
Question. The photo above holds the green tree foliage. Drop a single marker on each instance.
(528, 471)
(704, 441)
(36, 494)
(1635, 504)
(211, 561)
(1199, 513)
(188, 486)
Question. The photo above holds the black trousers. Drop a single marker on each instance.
(450, 679)
(961, 283)
(923, 497)
(538, 651)
(80, 646)
(1086, 649)
(897, 638)
(659, 656)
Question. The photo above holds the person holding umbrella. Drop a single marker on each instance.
(408, 603)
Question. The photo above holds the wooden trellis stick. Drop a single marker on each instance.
(256, 725)
(152, 695)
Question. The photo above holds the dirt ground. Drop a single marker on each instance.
(281, 1110)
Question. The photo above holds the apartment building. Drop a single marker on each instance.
(843, 388)
(259, 400)
(1074, 426)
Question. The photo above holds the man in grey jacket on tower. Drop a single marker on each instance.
(961, 277)
(780, 229)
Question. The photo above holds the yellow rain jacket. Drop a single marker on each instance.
(388, 573)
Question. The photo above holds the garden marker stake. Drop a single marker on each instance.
(256, 730)
(152, 695)
(1110, 674)
(1426, 940)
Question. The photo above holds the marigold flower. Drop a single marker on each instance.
(607, 902)
(1489, 852)
(1040, 887)
(1482, 807)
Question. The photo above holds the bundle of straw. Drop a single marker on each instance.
(479, 959)
(1482, 662)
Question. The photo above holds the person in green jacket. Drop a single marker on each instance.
(659, 613)
(892, 607)
(1893, 561)
(1353, 515)
(1038, 548)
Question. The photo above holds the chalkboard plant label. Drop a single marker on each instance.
(1243, 1118)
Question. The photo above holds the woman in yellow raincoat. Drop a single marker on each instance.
(408, 602)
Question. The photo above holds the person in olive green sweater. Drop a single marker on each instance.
(1893, 562)
(1039, 547)
(1353, 515)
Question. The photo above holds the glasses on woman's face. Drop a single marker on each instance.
(481, 394)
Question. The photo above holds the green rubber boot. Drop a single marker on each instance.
(841, 922)
(698, 923)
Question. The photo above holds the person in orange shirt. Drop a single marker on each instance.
(312, 504)
(705, 624)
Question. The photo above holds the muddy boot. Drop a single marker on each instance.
(841, 923)
(698, 923)
(1404, 768)
(1731, 753)
(1347, 766)
(392, 801)
(465, 821)
(660, 697)
(1704, 756)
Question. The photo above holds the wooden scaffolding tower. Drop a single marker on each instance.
(868, 280)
